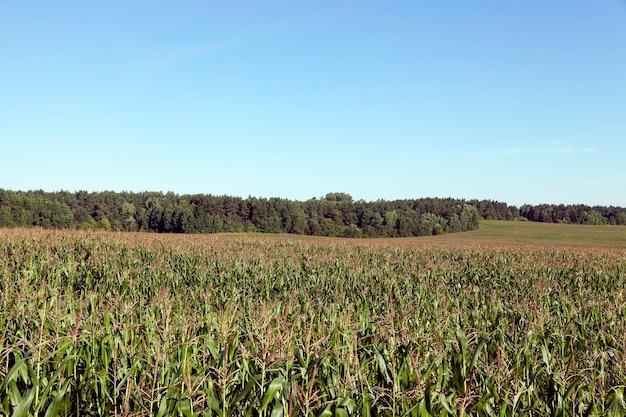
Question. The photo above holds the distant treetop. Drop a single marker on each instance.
(335, 214)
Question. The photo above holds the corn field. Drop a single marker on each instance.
(95, 324)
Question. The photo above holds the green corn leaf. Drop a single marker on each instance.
(341, 412)
(366, 408)
(382, 366)
(24, 406)
(49, 385)
(546, 356)
(477, 353)
(213, 349)
(445, 402)
(592, 410)
(55, 405)
(326, 413)
(14, 394)
(19, 369)
(423, 412)
(572, 386)
(214, 405)
(245, 392)
(461, 339)
(347, 403)
(272, 390)
(458, 373)
(277, 411)
(184, 408)
(503, 404)
(162, 407)
(618, 407)
(517, 397)
(428, 400)
(484, 408)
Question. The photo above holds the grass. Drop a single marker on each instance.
(491, 233)
(504, 321)
(494, 232)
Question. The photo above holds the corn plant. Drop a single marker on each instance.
(141, 324)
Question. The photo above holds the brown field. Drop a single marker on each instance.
(491, 233)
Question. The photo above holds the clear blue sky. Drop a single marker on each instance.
(515, 101)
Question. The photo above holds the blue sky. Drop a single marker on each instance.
(522, 102)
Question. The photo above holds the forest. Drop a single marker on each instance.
(335, 214)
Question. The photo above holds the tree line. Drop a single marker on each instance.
(335, 214)
(575, 213)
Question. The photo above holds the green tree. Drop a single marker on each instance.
(391, 217)
(6, 218)
(154, 213)
(352, 231)
(106, 224)
(128, 216)
(338, 197)
(185, 219)
(593, 217)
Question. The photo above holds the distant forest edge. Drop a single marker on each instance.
(335, 214)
